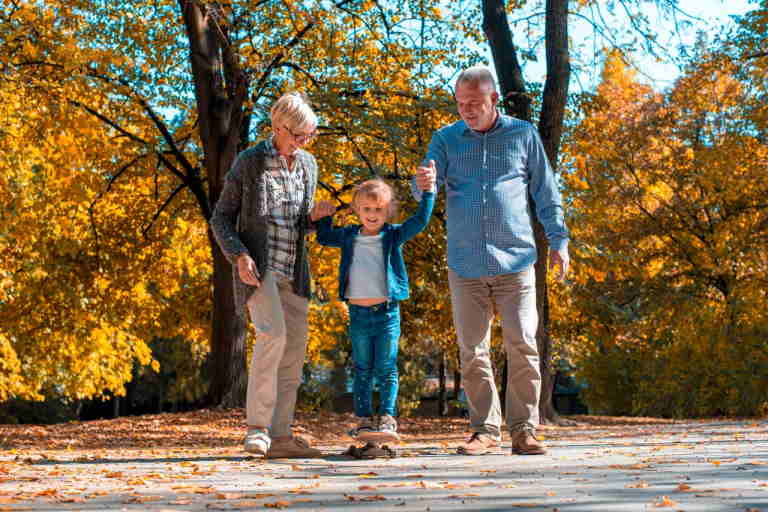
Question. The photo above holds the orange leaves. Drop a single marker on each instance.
(664, 501)
(664, 277)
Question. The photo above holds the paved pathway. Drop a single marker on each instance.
(708, 466)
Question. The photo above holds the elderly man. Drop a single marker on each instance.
(491, 166)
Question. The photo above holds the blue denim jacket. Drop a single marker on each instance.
(395, 235)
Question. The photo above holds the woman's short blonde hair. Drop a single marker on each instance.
(378, 190)
(292, 109)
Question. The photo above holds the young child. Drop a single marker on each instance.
(373, 280)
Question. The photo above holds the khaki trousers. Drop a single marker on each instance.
(280, 320)
(514, 296)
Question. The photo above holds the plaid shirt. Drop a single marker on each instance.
(240, 225)
(285, 195)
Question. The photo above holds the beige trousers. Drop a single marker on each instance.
(514, 296)
(280, 319)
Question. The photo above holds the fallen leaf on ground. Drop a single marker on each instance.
(664, 501)
(228, 496)
(143, 499)
(481, 484)
(277, 504)
(72, 499)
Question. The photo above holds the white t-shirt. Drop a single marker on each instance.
(367, 275)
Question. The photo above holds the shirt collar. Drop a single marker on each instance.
(271, 148)
(469, 132)
(274, 153)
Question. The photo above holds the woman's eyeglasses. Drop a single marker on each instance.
(301, 137)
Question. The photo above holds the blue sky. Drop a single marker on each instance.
(708, 16)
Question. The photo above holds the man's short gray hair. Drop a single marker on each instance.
(292, 109)
(476, 75)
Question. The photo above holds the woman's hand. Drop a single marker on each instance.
(246, 269)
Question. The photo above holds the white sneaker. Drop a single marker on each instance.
(257, 441)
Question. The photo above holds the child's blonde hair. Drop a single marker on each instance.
(377, 190)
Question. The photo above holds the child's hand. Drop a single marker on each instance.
(322, 209)
(426, 176)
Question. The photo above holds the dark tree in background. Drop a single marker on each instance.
(221, 88)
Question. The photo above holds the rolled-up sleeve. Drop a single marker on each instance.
(224, 219)
(545, 193)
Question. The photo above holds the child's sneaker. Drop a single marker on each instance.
(365, 426)
(385, 432)
(257, 441)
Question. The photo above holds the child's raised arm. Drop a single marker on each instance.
(322, 209)
(419, 220)
(322, 216)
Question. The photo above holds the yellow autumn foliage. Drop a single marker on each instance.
(667, 310)
(105, 255)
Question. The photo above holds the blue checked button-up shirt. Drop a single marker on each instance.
(487, 177)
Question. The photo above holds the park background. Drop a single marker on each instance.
(119, 122)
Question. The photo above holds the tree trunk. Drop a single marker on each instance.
(551, 129)
(442, 402)
(515, 99)
(457, 375)
(456, 384)
(228, 372)
(220, 91)
(517, 103)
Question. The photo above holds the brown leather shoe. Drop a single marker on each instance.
(478, 444)
(524, 442)
(292, 448)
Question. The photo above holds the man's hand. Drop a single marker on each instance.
(322, 209)
(561, 259)
(426, 177)
(246, 269)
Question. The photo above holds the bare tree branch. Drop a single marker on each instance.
(303, 71)
(757, 55)
(261, 84)
(157, 214)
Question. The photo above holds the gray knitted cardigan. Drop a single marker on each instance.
(239, 220)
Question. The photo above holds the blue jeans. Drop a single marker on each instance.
(375, 332)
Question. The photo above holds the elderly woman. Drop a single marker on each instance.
(260, 223)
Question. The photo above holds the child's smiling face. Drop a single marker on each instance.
(373, 214)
